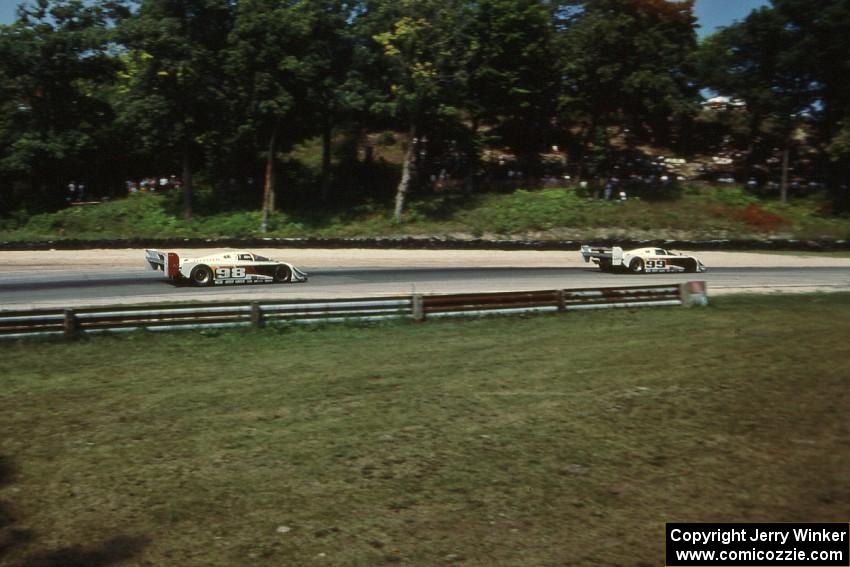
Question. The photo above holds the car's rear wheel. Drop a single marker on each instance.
(636, 266)
(201, 276)
(282, 274)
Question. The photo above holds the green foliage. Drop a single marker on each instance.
(171, 98)
(55, 119)
(139, 215)
(788, 63)
(422, 58)
(512, 73)
(734, 196)
(101, 92)
(629, 58)
(268, 61)
(550, 213)
(747, 60)
(523, 211)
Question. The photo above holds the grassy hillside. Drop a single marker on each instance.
(701, 212)
(547, 440)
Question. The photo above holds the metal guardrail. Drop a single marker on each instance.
(72, 322)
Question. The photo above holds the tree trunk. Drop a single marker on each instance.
(326, 160)
(783, 184)
(406, 174)
(187, 183)
(585, 143)
(473, 157)
(755, 125)
(268, 186)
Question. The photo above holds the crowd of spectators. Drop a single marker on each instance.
(153, 184)
(78, 192)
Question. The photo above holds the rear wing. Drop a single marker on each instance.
(614, 254)
(168, 262)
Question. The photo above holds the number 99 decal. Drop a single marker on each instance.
(228, 273)
(656, 264)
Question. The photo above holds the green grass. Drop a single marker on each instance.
(549, 440)
(701, 212)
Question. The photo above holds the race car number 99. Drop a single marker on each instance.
(655, 264)
(225, 273)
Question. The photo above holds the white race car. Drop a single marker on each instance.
(641, 260)
(232, 267)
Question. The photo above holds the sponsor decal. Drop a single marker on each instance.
(230, 273)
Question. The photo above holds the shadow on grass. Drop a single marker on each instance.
(110, 552)
(10, 534)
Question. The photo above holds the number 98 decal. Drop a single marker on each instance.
(656, 264)
(228, 273)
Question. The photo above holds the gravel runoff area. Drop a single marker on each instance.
(82, 260)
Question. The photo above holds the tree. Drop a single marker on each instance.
(425, 49)
(818, 33)
(172, 93)
(334, 89)
(513, 73)
(626, 61)
(755, 60)
(265, 58)
(290, 63)
(54, 63)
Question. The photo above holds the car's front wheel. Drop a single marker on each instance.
(636, 266)
(201, 276)
(282, 274)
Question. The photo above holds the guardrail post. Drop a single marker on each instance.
(70, 324)
(562, 305)
(418, 307)
(698, 293)
(684, 295)
(256, 315)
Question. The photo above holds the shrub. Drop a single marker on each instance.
(756, 216)
(527, 210)
(753, 215)
(734, 196)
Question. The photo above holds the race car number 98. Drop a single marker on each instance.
(225, 273)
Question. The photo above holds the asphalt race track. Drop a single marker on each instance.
(23, 290)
